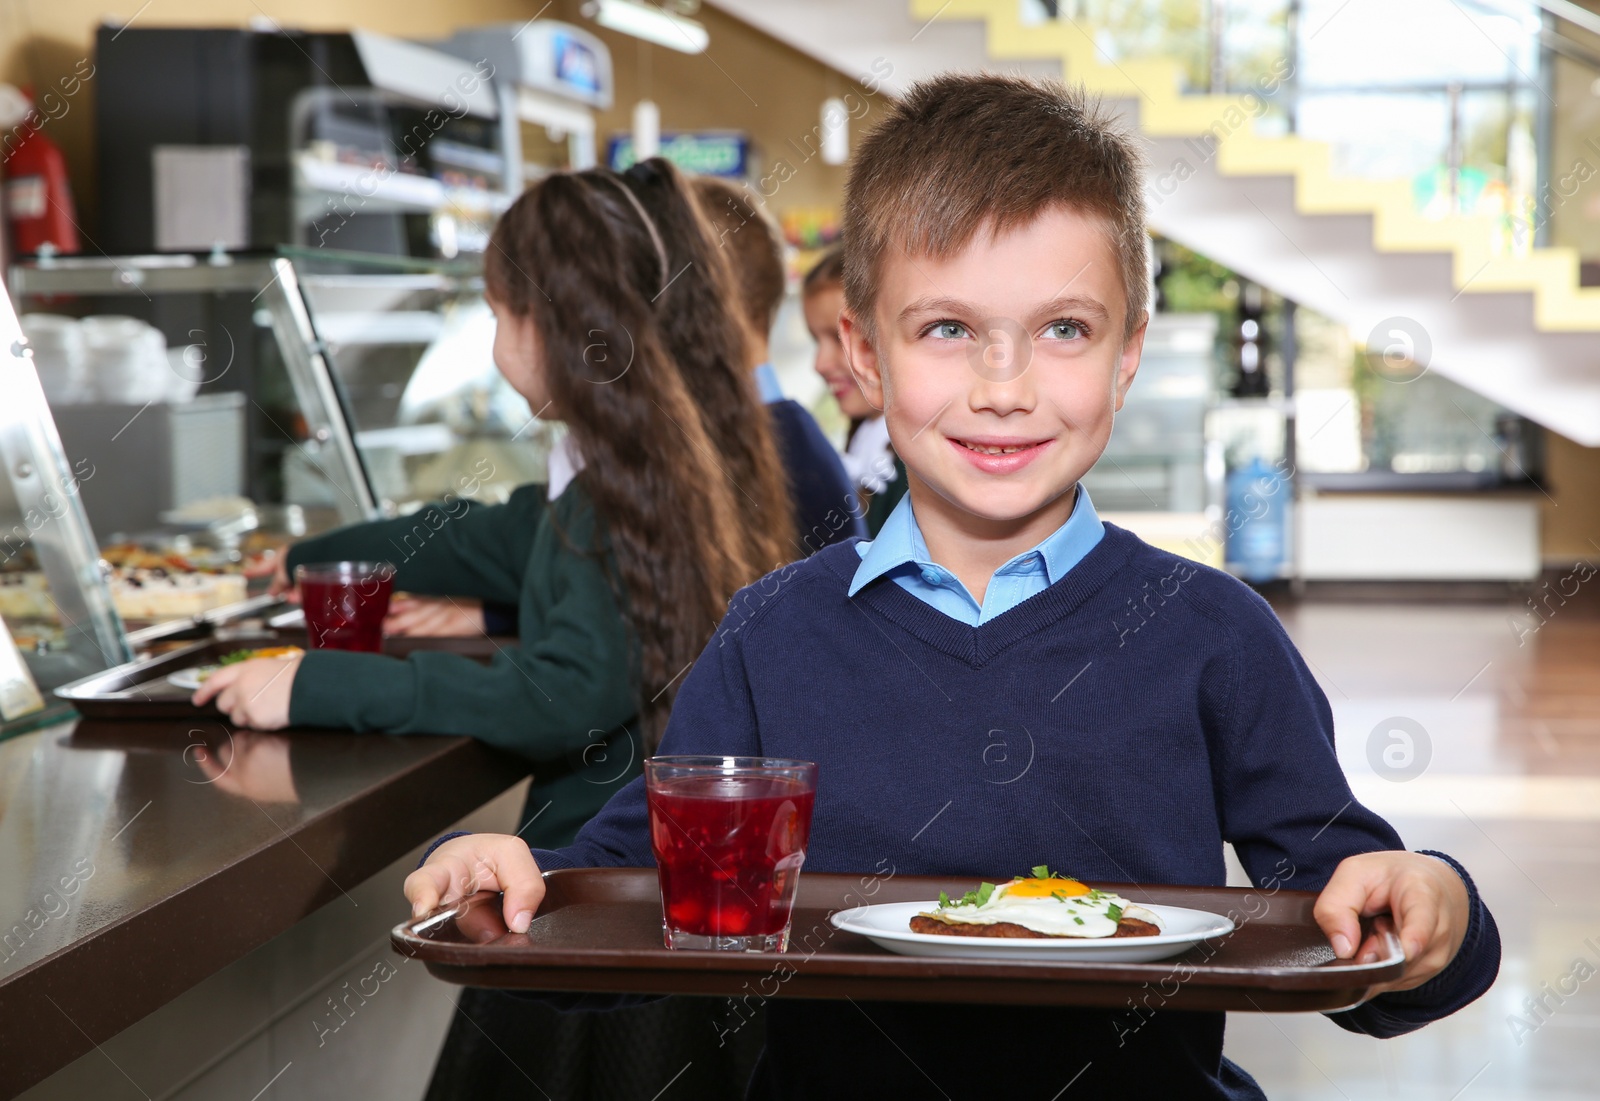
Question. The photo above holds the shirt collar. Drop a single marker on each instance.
(565, 463)
(899, 543)
(767, 384)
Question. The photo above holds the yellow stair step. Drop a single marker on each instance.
(1222, 128)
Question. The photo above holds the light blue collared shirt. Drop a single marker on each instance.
(899, 552)
(767, 384)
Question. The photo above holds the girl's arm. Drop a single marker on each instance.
(567, 684)
(454, 548)
(562, 688)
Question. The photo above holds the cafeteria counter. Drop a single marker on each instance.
(181, 901)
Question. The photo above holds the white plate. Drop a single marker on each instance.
(189, 679)
(888, 925)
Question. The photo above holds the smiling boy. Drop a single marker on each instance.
(996, 286)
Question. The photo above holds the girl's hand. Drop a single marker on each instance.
(1425, 897)
(434, 617)
(274, 564)
(479, 862)
(252, 693)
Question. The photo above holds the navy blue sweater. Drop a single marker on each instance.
(1122, 725)
(826, 509)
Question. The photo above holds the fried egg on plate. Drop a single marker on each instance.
(1053, 906)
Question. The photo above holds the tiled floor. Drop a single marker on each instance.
(1508, 782)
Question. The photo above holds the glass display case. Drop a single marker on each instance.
(165, 419)
(409, 344)
(59, 622)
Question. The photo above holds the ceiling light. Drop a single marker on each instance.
(835, 131)
(646, 130)
(650, 23)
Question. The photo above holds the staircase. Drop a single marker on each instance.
(1517, 329)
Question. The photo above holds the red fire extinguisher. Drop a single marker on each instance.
(38, 196)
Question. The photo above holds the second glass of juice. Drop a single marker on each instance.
(345, 603)
(729, 835)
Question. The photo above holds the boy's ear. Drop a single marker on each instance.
(862, 359)
(1128, 362)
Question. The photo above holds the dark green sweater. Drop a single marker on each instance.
(564, 696)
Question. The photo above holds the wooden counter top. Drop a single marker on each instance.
(136, 859)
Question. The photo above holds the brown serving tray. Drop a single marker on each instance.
(599, 929)
(139, 689)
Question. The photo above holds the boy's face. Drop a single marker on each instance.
(1000, 368)
(822, 318)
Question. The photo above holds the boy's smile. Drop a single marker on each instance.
(999, 369)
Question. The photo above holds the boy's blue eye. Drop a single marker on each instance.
(1064, 330)
(947, 330)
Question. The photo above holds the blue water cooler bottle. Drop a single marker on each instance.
(1257, 496)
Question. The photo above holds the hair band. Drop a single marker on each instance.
(649, 225)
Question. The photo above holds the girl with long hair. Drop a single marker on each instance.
(619, 573)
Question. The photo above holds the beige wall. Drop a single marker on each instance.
(1571, 526)
(746, 81)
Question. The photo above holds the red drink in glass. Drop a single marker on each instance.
(345, 603)
(729, 835)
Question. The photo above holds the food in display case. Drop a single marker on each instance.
(27, 605)
(162, 584)
(146, 585)
(159, 595)
(161, 587)
(29, 610)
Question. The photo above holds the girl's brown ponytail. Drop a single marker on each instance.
(704, 329)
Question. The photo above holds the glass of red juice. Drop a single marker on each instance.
(345, 603)
(729, 835)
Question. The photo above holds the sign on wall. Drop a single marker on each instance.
(705, 153)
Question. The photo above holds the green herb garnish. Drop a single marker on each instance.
(236, 657)
(1114, 912)
(1041, 871)
(971, 898)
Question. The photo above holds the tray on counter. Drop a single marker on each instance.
(599, 930)
(140, 690)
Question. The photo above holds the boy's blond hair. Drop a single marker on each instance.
(963, 153)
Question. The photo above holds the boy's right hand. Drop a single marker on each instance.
(477, 862)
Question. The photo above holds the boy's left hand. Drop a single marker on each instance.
(1425, 897)
(252, 693)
